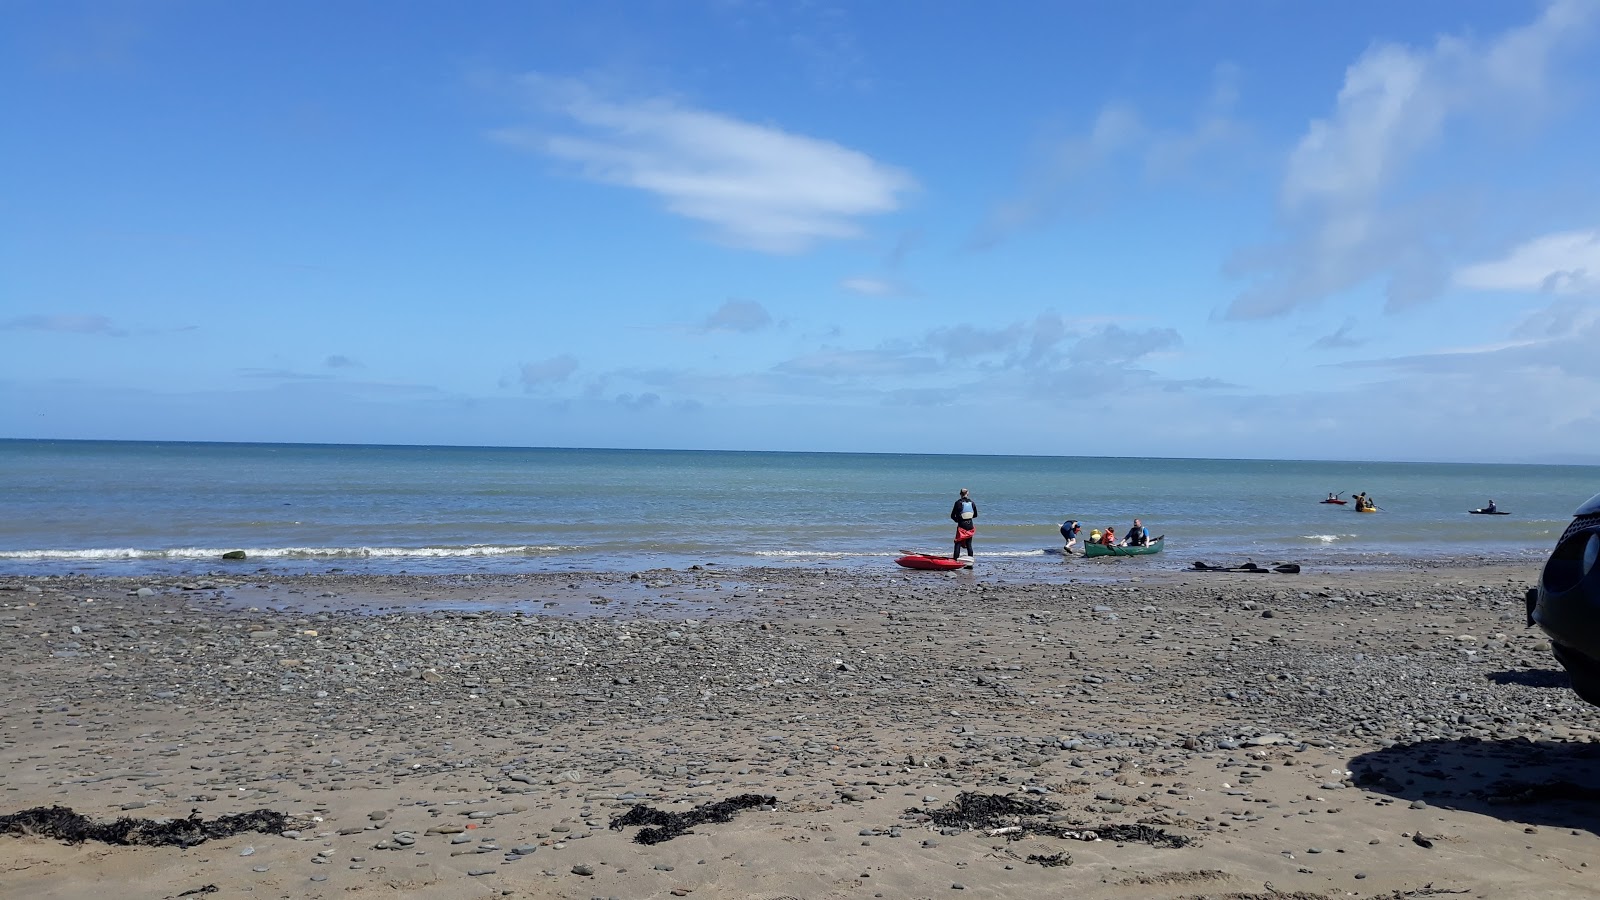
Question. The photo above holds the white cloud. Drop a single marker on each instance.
(757, 186)
(1394, 105)
(1563, 263)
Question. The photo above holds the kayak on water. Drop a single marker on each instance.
(1488, 512)
(1340, 502)
(931, 562)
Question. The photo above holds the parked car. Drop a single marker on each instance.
(1566, 604)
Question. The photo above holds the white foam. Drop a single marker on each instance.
(1326, 538)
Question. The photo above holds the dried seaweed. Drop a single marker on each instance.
(1017, 817)
(1141, 834)
(664, 826)
(62, 823)
(972, 810)
(1050, 860)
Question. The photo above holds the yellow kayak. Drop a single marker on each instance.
(1365, 509)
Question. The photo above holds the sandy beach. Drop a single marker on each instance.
(1340, 733)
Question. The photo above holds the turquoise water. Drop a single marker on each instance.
(134, 508)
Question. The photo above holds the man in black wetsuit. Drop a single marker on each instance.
(963, 513)
(1137, 536)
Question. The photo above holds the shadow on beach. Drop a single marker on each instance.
(1551, 783)
(1534, 678)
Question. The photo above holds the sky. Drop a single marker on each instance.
(1244, 229)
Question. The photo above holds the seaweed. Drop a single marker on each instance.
(1050, 860)
(972, 810)
(1015, 818)
(664, 826)
(62, 823)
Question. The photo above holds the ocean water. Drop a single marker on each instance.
(136, 508)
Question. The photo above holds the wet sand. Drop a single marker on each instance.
(1378, 733)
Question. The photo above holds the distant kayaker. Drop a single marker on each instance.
(1069, 534)
(964, 513)
(1137, 536)
(1332, 497)
(1490, 508)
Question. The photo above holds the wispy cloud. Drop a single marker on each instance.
(1564, 263)
(1339, 339)
(638, 402)
(757, 186)
(855, 363)
(1342, 224)
(869, 286)
(340, 361)
(282, 374)
(65, 323)
(743, 316)
(1077, 170)
(546, 371)
(1113, 344)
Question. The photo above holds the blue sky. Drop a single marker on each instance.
(1243, 229)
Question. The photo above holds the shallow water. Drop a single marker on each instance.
(134, 508)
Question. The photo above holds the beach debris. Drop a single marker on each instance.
(203, 889)
(1015, 817)
(1048, 860)
(971, 810)
(62, 823)
(1201, 565)
(664, 826)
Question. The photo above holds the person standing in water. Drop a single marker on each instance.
(964, 513)
(1069, 534)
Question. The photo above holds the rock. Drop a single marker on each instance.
(233, 554)
(582, 870)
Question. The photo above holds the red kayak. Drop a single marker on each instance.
(1340, 502)
(925, 561)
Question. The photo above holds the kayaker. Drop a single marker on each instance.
(1094, 535)
(1490, 508)
(963, 513)
(1137, 536)
(1069, 533)
(1110, 537)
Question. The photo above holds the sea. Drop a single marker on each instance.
(153, 508)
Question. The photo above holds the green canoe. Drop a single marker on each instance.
(1102, 550)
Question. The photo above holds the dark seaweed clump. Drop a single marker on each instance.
(62, 823)
(664, 826)
(972, 810)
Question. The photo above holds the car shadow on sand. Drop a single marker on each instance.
(1551, 783)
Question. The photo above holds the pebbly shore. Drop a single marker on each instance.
(1324, 734)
